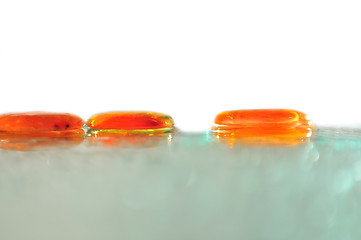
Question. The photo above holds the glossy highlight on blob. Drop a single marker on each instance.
(263, 126)
(131, 122)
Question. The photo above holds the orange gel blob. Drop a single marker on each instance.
(263, 124)
(39, 121)
(131, 121)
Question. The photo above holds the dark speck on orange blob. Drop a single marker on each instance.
(39, 121)
(131, 121)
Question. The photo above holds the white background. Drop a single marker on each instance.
(190, 59)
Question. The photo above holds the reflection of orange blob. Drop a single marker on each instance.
(234, 140)
(114, 139)
(39, 121)
(273, 126)
(27, 141)
(140, 121)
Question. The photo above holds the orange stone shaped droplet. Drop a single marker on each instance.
(39, 121)
(275, 123)
(130, 121)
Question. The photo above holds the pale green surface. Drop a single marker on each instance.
(193, 188)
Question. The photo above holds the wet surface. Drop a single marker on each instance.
(186, 186)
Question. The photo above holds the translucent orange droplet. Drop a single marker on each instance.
(265, 125)
(131, 121)
(39, 121)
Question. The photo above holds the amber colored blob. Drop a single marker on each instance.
(29, 141)
(278, 125)
(39, 121)
(130, 121)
